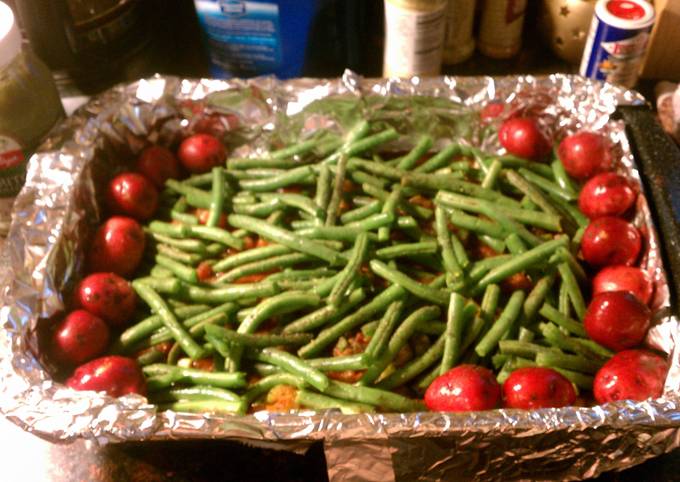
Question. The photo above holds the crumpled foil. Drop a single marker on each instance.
(57, 211)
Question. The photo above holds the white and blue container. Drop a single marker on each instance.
(256, 37)
(617, 41)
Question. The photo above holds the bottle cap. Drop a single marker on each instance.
(10, 37)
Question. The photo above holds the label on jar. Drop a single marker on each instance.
(413, 41)
(244, 38)
(12, 167)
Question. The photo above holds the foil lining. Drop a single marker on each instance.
(56, 212)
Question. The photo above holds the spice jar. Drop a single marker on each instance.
(500, 32)
(414, 37)
(29, 108)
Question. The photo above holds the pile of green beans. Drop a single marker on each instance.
(355, 282)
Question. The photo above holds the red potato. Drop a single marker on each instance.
(115, 375)
(606, 194)
(81, 336)
(537, 387)
(522, 137)
(108, 296)
(117, 247)
(158, 164)
(464, 388)
(617, 320)
(133, 195)
(491, 111)
(585, 154)
(630, 375)
(201, 152)
(609, 241)
(624, 278)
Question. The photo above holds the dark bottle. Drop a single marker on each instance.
(93, 43)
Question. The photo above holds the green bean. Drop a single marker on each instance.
(373, 396)
(483, 266)
(521, 262)
(196, 393)
(243, 163)
(158, 306)
(407, 249)
(286, 238)
(548, 186)
(195, 197)
(563, 254)
(411, 159)
(451, 184)
(390, 208)
(454, 333)
(230, 293)
(556, 338)
(277, 305)
(460, 252)
(386, 326)
(198, 179)
(536, 297)
(294, 366)
(263, 386)
(572, 326)
(217, 201)
(336, 192)
(497, 245)
(332, 333)
(275, 262)
(325, 315)
(293, 176)
(300, 274)
(218, 235)
(361, 212)
(562, 178)
(183, 272)
(251, 255)
(168, 229)
(357, 146)
(184, 218)
(221, 312)
(150, 355)
(563, 300)
(360, 177)
(524, 216)
(515, 244)
(573, 290)
(148, 325)
(339, 363)
(454, 272)
(418, 289)
(579, 379)
(521, 348)
(483, 318)
(338, 233)
(191, 259)
(415, 367)
(555, 359)
(323, 402)
(188, 245)
(167, 286)
(533, 193)
(438, 160)
(259, 210)
(400, 337)
(502, 325)
(257, 341)
(519, 163)
(197, 377)
(492, 174)
(416, 211)
(351, 270)
(323, 188)
(594, 347)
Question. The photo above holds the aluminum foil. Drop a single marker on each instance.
(56, 212)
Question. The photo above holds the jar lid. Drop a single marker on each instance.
(10, 37)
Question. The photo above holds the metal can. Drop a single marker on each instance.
(617, 40)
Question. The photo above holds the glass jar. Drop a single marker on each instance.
(29, 108)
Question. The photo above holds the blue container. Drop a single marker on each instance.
(256, 37)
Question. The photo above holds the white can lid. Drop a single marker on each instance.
(10, 37)
(625, 14)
